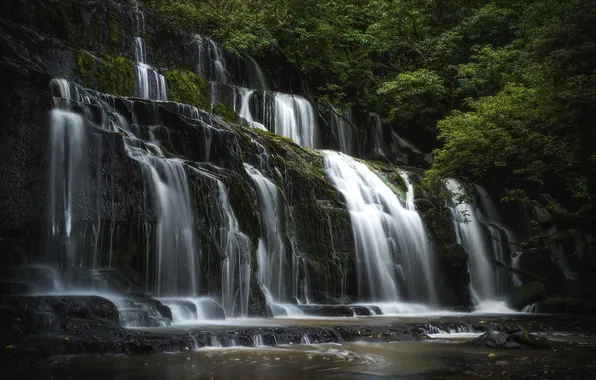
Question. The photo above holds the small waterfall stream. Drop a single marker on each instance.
(143, 70)
(342, 129)
(295, 119)
(485, 239)
(392, 248)
(278, 263)
(236, 267)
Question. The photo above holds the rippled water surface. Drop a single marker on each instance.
(360, 360)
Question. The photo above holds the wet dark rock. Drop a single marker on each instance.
(327, 310)
(566, 306)
(510, 339)
(528, 340)
(526, 294)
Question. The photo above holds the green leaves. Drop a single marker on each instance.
(415, 96)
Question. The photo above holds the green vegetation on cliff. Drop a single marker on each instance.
(189, 88)
(504, 88)
(112, 73)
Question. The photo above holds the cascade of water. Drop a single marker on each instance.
(242, 106)
(67, 164)
(188, 310)
(256, 77)
(237, 264)
(502, 241)
(176, 251)
(556, 250)
(388, 232)
(176, 270)
(258, 340)
(468, 223)
(272, 251)
(142, 68)
(378, 139)
(295, 118)
(211, 63)
(341, 127)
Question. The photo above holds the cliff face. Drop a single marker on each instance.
(115, 207)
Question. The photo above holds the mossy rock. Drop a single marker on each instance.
(188, 88)
(111, 74)
(226, 113)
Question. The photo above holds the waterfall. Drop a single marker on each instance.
(211, 64)
(255, 76)
(242, 106)
(295, 118)
(341, 127)
(378, 139)
(502, 241)
(393, 251)
(142, 69)
(480, 232)
(176, 265)
(276, 271)
(67, 164)
(176, 269)
(236, 266)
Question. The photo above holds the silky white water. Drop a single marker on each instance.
(242, 106)
(67, 162)
(488, 282)
(143, 71)
(393, 252)
(211, 63)
(295, 119)
(236, 266)
(176, 270)
(342, 129)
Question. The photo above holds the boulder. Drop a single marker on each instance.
(510, 339)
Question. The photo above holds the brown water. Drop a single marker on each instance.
(406, 360)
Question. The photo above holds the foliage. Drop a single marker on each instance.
(415, 95)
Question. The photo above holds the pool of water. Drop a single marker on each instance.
(358, 360)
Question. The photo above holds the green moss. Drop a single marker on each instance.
(86, 68)
(392, 176)
(116, 75)
(226, 113)
(114, 29)
(188, 88)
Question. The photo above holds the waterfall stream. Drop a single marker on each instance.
(143, 70)
(392, 248)
(481, 233)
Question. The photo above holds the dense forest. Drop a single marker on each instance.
(501, 89)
